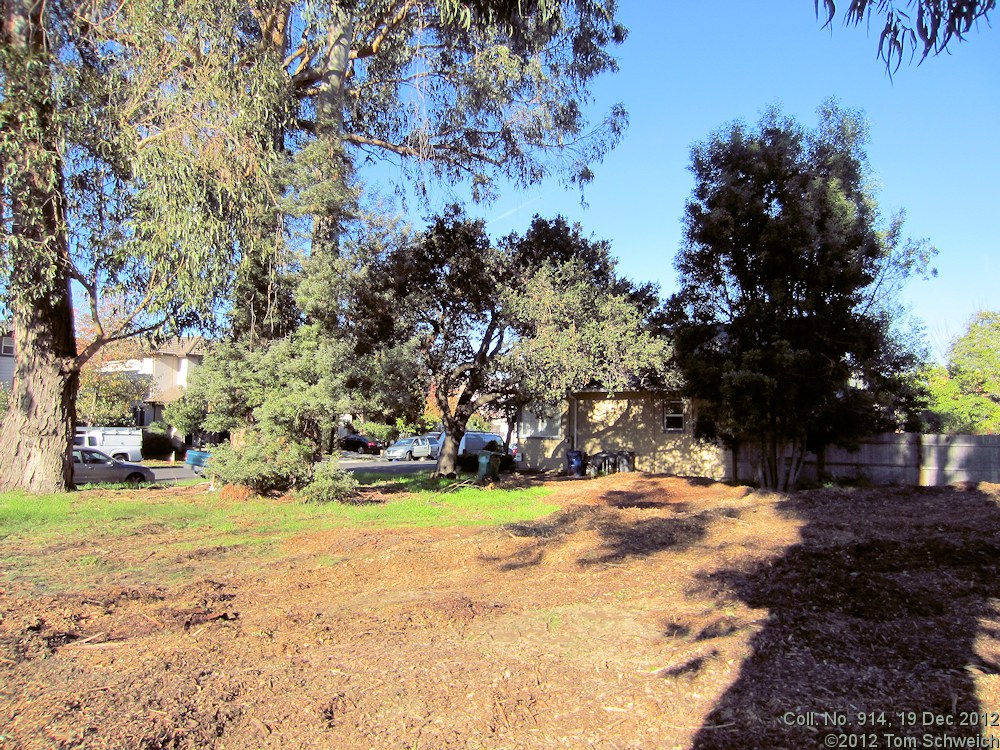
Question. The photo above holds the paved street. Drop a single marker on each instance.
(382, 466)
(350, 462)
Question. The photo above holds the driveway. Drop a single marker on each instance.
(172, 474)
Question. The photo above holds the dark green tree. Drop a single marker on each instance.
(778, 325)
(291, 389)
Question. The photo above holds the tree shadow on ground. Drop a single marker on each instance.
(622, 535)
(882, 609)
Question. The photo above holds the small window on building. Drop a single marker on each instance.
(7, 346)
(540, 425)
(673, 415)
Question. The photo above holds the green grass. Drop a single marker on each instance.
(421, 482)
(424, 503)
(65, 541)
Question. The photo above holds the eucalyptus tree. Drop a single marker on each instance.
(497, 94)
(780, 325)
(131, 168)
(912, 26)
(450, 91)
(143, 148)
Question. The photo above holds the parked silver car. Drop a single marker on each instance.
(411, 448)
(91, 465)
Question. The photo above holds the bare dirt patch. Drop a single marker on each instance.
(648, 612)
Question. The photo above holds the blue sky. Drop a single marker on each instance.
(689, 68)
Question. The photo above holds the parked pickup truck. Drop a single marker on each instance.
(122, 443)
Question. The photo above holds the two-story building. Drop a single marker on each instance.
(167, 366)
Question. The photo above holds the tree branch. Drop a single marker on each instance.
(410, 151)
(376, 44)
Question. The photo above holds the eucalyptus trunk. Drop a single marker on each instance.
(37, 431)
(334, 71)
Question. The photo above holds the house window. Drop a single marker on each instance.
(540, 425)
(673, 415)
(7, 347)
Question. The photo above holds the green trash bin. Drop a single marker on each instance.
(489, 466)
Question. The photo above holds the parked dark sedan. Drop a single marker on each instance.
(360, 444)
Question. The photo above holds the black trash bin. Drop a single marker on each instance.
(603, 463)
(574, 463)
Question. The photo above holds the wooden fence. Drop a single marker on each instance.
(907, 459)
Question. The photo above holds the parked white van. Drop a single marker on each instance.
(472, 442)
(123, 443)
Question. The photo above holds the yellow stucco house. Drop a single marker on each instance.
(656, 426)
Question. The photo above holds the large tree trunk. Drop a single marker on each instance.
(38, 430)
(447, 465)
(334, 72)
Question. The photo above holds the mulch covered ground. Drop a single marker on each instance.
(649, 612)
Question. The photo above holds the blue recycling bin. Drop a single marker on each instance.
(197, 460)
(574, 463)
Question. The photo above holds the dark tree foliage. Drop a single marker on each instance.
(263, 301)
(775, 328)
(556, 242)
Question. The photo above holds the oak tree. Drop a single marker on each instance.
(523, 321)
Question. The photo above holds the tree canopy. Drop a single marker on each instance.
(776, 325)
(499, 325)
(965, 395)
(160, 153)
